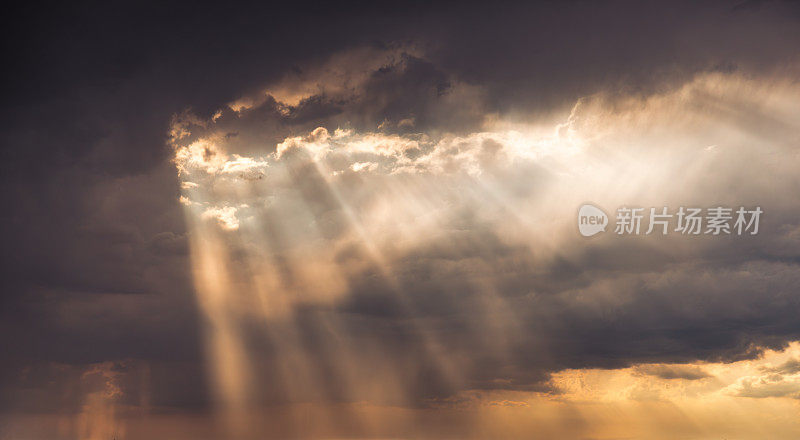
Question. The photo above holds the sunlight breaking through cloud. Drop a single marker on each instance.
(345, 260)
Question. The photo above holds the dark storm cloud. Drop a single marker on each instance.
(551, 55)
(95, 266)
(92, 230)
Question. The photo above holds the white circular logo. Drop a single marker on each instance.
(591, 220)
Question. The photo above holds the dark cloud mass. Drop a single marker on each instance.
(98, 286)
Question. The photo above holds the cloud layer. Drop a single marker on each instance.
(450, 261)
(389, 192)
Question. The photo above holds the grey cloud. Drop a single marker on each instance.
(792, 366)
(674, 372)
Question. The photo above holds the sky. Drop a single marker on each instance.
(360, 221)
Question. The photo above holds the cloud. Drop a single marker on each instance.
(226, 216)
(465, 242)
(791, 366)
(458, 202)
(674, 372)
(781, 380)
(774, 385)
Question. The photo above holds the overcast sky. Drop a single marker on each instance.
(214, 209)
